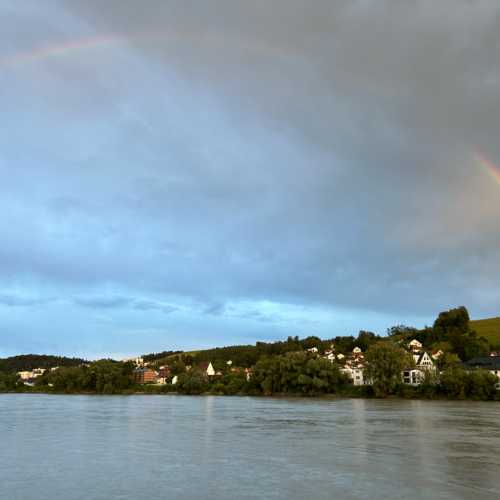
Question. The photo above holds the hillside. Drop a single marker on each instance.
(30, 361)
(488, 328)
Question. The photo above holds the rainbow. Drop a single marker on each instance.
(73, 46)
(488, 165)
(106, 41)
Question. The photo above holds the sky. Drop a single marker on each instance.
(182, 174)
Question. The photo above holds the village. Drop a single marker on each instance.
(418, 366)
(352, 366)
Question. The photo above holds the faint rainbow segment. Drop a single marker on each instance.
(70, 47)
(488, 165)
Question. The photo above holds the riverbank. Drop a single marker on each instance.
(348, 393)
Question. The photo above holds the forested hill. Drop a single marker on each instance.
(452, 332)
(30, 361)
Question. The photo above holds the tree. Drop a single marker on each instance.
(452, 323)
(453, 326)
(177, 367)
(448, 360)
(365, 340)
(403, 331)
(192, 382)
(296, 373)
(311, 341)
(8, 382)
(385, 362)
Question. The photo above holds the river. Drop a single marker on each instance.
(182, 447)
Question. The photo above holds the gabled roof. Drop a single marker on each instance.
(421, 356)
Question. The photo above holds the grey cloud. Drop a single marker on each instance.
(103, 302)
(149, 305)
(18, 300)
(215, 309)
(121, 302)
(317, 154)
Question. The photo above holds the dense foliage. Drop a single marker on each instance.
(103, 377)
(8, 382)
(297, 373)
(385, 361)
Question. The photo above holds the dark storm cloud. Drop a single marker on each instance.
(317, 154)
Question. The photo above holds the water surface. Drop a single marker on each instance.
(181, 447)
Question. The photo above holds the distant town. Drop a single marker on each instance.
(448, 360)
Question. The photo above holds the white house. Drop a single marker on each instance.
(423, 361)
(413, 376)
(137, 360)
(415, 345)
(210, 370)
(25, 375)
(416, 375)
(330, 357)
(313, 350)
(28, 375)
(354, 373)
(175, 379)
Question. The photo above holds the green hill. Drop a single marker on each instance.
(489, 329)
(30, 361)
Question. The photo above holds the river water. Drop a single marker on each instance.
(182, 447)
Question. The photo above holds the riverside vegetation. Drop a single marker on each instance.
(286, 368)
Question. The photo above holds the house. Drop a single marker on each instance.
(354, 367)
(28, 375)
(340, 356)
(163, 375)
(437, 354)
(415, 346)
(314, 350)
(207, 369)
(248, 373)
(416, 375)
(413, 376)
(145, 376)
(330, 357)
(164, 371)
(355, 374)
(490, 363)
(423, 361)
(138, 361)
(175, 379)
(25, 375)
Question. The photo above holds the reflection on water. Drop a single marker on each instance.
(178, 447)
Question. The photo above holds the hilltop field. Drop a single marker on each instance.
(489, 329)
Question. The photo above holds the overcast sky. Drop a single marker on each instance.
(178, 174)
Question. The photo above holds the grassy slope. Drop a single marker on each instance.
(488, 328)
